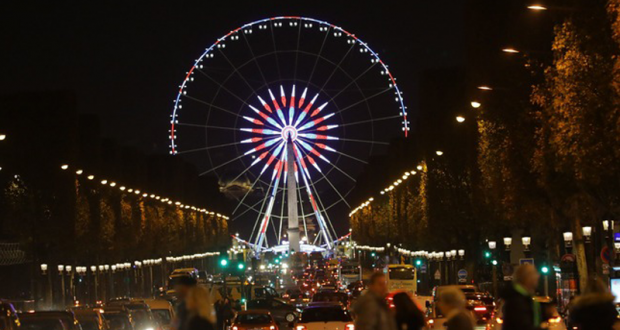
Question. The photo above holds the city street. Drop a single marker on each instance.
(310, 165)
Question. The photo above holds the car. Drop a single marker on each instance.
(254, 319)
(162, 311)
(435, 317)
(334, 297)
(49, 320)
(281, 311)
(193, 272)
(118, 318)
(141, 314)
(481, 305)
(8, 316)
(550, 316)
(90, 318)
(325, 316)
(296, 296)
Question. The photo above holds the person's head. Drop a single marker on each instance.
(451, 298)
(595, 286)
(199, 303)
(527, 276)
(403, 304)
(183, 285)
(377, 284)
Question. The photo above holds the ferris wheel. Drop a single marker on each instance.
(286, 94)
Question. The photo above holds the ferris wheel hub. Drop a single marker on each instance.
(289, 132)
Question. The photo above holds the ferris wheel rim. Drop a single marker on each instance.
(208, 50)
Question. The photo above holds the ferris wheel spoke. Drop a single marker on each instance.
(223, 164)
(236, 71)
(370, 120)
(269, 161)
(337, 66)
(220, 85)
(247, 42)
(212, 105)
(275, 49)
(353, 81)
(326, 179)
(208, 148)
(207, 126)
(365, 141)
(316, 61)
(297, 52)
(364, 100)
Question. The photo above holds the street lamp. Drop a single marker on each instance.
(526, 240)
(510, 51)
(2, 137)
(64, 166)
(492, 245)
(462, 254)
(568, 239)
(460, 119)
(44, 268)
(507, 242)
(485, 88)
(439, 152)
(537, 7)
(475, 104)
(587, 233)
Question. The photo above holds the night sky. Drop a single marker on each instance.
(124, 60)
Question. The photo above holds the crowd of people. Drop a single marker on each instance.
(593, 310)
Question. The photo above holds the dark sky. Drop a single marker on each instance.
(125, 59)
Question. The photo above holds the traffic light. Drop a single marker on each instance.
(544, 270)
(418, 262)
(241, 266)
(487, 254)
(373, 254)
(224, 262)
(494, 262)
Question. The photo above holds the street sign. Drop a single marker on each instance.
(617, 237)
(606, 269)
(508, 278)
(605, 255)
(462, 280)
(524, 261)
(423, 269)
(462, 274)
(569, 257)
(507, 269)
(437, 275)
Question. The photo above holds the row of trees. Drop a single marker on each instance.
(89, 223)
(547, 152)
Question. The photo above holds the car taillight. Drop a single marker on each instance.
(273, 327)
(499, 320)
(555, 320)
(301, 327)
(349, 326)
(480, 309)
(235, 328)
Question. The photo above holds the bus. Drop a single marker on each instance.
(402, 277)
(350, 272)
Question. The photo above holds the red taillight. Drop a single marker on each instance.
(301, 327)
(349, 326)
(480, 309)
(235, 328)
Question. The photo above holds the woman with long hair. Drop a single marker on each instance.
(408, 314)
(200, 308)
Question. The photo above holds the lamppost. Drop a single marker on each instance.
(526, 240)
(69, 270)
(94, 280)
(138, 279)
(48, 288)
(492, 247)
(454, 270)
(440, 259)
(568, 239)
(587, 235)
(61, 275)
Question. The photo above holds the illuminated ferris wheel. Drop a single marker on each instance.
(285, 112)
